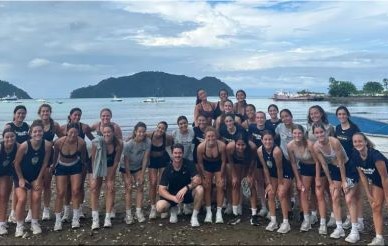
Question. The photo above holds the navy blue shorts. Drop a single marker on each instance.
(308, 170)
(334, 172)
(8, 171)
(160, 161)
(122, 170)
(212, 167)
(287, 169)
(188, 198)
(62, 170)
(29, 181)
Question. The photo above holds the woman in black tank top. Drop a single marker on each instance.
(8, 150)
(70, 153)
(240, 105)
(31, 160)
(50, 129)
(159, 158)
(241, 159)
(219, 108)
(203, 107)
(83, 131)
(211, 158)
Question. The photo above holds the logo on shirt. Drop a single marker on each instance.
(368, 171)
(35, 160)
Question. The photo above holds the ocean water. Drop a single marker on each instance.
(131, 110)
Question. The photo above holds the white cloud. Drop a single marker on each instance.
(78, 67)
(38, 62)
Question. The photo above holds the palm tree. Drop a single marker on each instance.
(385, 82)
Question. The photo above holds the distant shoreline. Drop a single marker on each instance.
(357, 98)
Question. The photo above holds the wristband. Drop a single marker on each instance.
(188, 188)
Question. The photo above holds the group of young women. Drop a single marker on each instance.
(237, 152)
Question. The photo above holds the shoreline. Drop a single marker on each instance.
(357, 98)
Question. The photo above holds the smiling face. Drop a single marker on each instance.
(267, 141)
(211, 137)
(20, 115)
(260, 119)
(160, 129)
(107, 132)
(177, 155)
(297, 135)
(320, 134)
(202, 95)
(229, 122)
(75, 117)
(315, 115)
(228, 107)
(223, 95)
(342, 116)
(9, 138)
(250, 112)
(202, 122)
(72, 133)
(359, 142)
(45, 113)
(286, 118)
(240, 96)
(140, 133)
(183, 125)
(105, 117)
(240, 146)
(273, 112)
(36, 133)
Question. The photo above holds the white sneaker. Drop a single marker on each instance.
(284, 227)
(95, 224)
(360, 227)
(337, 233)
(219, 219)
(209, 217)
(306, 225)
(268, 217)
(239, 210)
(263, 212)
(28, 217)
(107, 222)
(3, 230)
(313, 219)
(128, 219)
(164, 215)
(174, 215)
(75, 224)
(194, 221)
(331, 222)
(187, 209)
(58, 225)
(113, 213)
(228, 209)
(377, 241)
(35, 228)
(353, 237)
(180, 208)
(81, 212)
(66, 216)
(152, 214)
(12, 218)
(46, 214)
(272, 226)
(19, 231)
(140, 216)
(322, 230)
(347, 224)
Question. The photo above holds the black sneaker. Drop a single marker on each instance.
(255, 220)
(235, 220)
(290, 215)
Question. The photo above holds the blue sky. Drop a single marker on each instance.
(51, 48)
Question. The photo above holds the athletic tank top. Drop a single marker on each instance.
(212, 160)
(269, 159)
(217, 111)
(110, 158)
(158, 148)
(207, 114)
(21, 132)
(6, 159)
(50, 134)
(33, 160)
(69, 156)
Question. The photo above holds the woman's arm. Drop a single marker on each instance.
(382, 169)
(278, 156)
(88, 131)
(291, 155)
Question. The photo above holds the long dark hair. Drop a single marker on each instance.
(344, 108)
(137, 126)
(72, 111)
(198, 101)
(247, 150)
(245, 95)
(16, 109)
(323, 114)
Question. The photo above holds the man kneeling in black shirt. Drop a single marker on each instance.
(180, 183)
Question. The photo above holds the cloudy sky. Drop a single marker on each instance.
(51, 48)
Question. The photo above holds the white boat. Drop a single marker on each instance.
(10, 98)
(116, 99)
(289, 96)
(154, 100)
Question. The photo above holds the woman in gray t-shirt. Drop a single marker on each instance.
(184, 135)
(136, 158)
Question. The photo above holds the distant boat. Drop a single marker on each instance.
(59, 102)
(10, 98)
(41, 100)
(153, 100)
(289, 96)
(116, 99)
